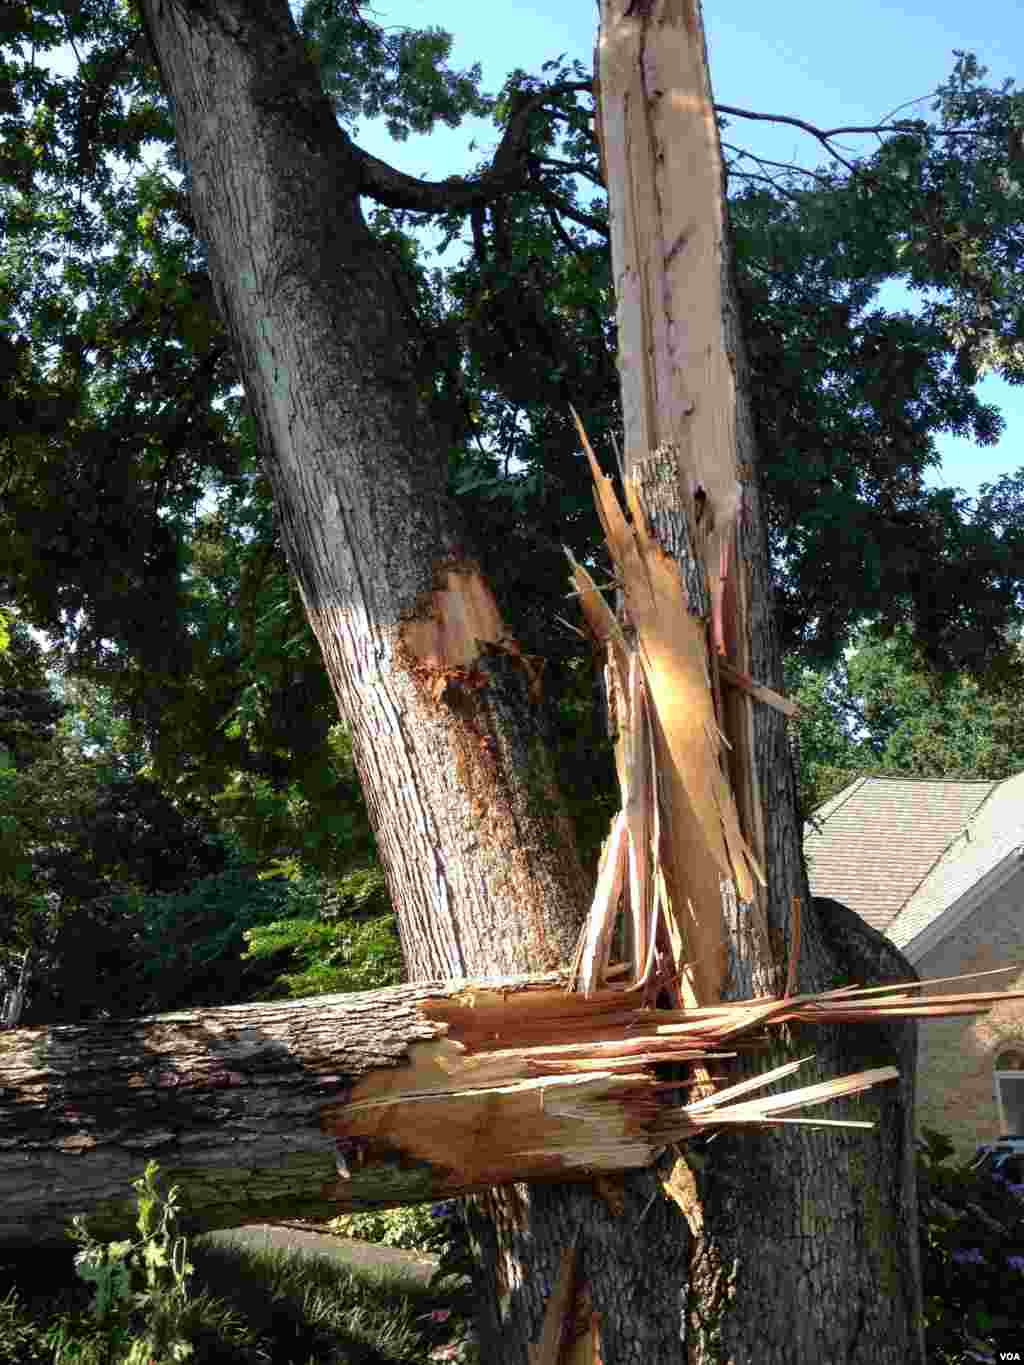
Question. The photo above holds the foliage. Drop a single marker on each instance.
(137, 529)
(341, 938)
(451, 1237)
(135, 899)
(972, 1255)
(192, 943)
(168, 585)
(850, 396)
(72, 843)
(825, 754)
(229, 937)
(937, 725)
(882, 710)
(398, 74)
(29, 712)
(242, 1307)
(141, 1326)
(81, 845)
(97, 837)
(436, 1229)
(412, 1227)
(310, 813)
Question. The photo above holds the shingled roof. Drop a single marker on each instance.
(874, 845)
(989, 848)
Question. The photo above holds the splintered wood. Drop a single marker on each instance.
(537, 1083)
(678, 834)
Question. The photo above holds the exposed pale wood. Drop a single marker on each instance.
(597, 931)
(918, 985)
(641, 814)
(554, 1332)
(768, 695)
(701, 840)
(451, 623)
(570, 1334)
(336, 1103)
(668, 235)
(680, 1186)
(670, 251)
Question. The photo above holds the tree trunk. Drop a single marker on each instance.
(349, 1102)
(242, 1106)
(782, 1247)
(229, 1101)
(478, 854)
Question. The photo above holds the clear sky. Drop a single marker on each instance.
(831, 65)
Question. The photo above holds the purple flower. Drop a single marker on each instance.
(970, 1256)
(1015, 1262)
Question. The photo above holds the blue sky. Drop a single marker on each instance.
(831, 65)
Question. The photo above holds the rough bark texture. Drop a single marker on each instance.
(479, 862)
(478, 854)
(229, 1101)
(314, 1107)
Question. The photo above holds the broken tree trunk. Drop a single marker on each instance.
(323, 1106)
(799, 1247)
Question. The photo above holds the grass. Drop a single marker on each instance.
(244, 1307)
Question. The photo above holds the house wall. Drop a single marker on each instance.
(956, 1056)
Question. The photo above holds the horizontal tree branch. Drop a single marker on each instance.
(313, 1108)
(509, 172)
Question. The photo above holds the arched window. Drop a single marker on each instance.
(1008, 1083)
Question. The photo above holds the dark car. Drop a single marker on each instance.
(1003, 1159)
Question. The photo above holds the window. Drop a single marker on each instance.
(1008, 1082)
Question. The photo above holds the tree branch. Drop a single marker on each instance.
(824, 134)
(507, 172)
(573, 168)
(786, 166)
(555, 201)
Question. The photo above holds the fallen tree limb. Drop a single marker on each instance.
(317, 1107)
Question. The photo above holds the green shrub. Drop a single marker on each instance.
(142, 1325)
(437, 1229)
(413, 1228)
(972, 1256)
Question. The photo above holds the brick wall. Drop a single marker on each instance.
(956, 1056)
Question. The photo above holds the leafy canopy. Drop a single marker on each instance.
(137, 530)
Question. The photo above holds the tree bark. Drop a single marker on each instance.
(242, 1106)
(478, 854)
(350, 1102)
(227, 1100)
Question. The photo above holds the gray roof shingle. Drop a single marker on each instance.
(996, 831)
(875, 843)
